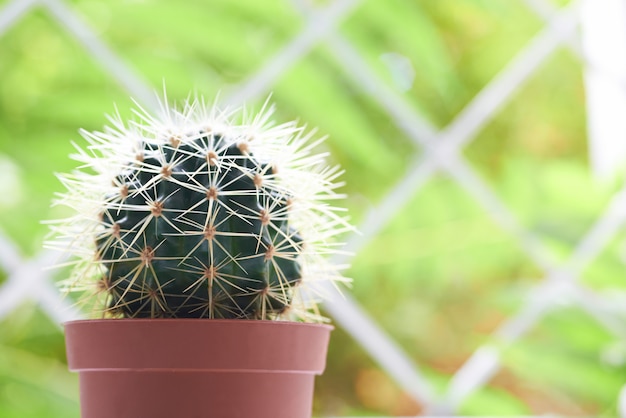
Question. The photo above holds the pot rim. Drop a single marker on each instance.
(194, 344)
(265, 322)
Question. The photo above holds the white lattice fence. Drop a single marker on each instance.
(441, 153)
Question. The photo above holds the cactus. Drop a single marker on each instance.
(200, 213)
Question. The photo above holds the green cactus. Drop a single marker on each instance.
(191, 215)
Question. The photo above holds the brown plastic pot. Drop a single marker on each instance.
(187, 368)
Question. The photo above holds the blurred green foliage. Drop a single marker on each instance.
(440, 277)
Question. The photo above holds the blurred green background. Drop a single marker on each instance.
(440, 277)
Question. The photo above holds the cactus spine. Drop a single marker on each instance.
(191, 214)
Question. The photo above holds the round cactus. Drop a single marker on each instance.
(201, 213)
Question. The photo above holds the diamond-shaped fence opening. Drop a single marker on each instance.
(393, 82)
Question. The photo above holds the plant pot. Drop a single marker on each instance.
(186, 368)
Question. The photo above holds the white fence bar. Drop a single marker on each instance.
(105, 56)
(12, 12)
(320, 24)
(604, 48)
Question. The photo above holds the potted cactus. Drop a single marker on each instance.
(200, 238)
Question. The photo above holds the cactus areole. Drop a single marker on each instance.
(201, 213)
